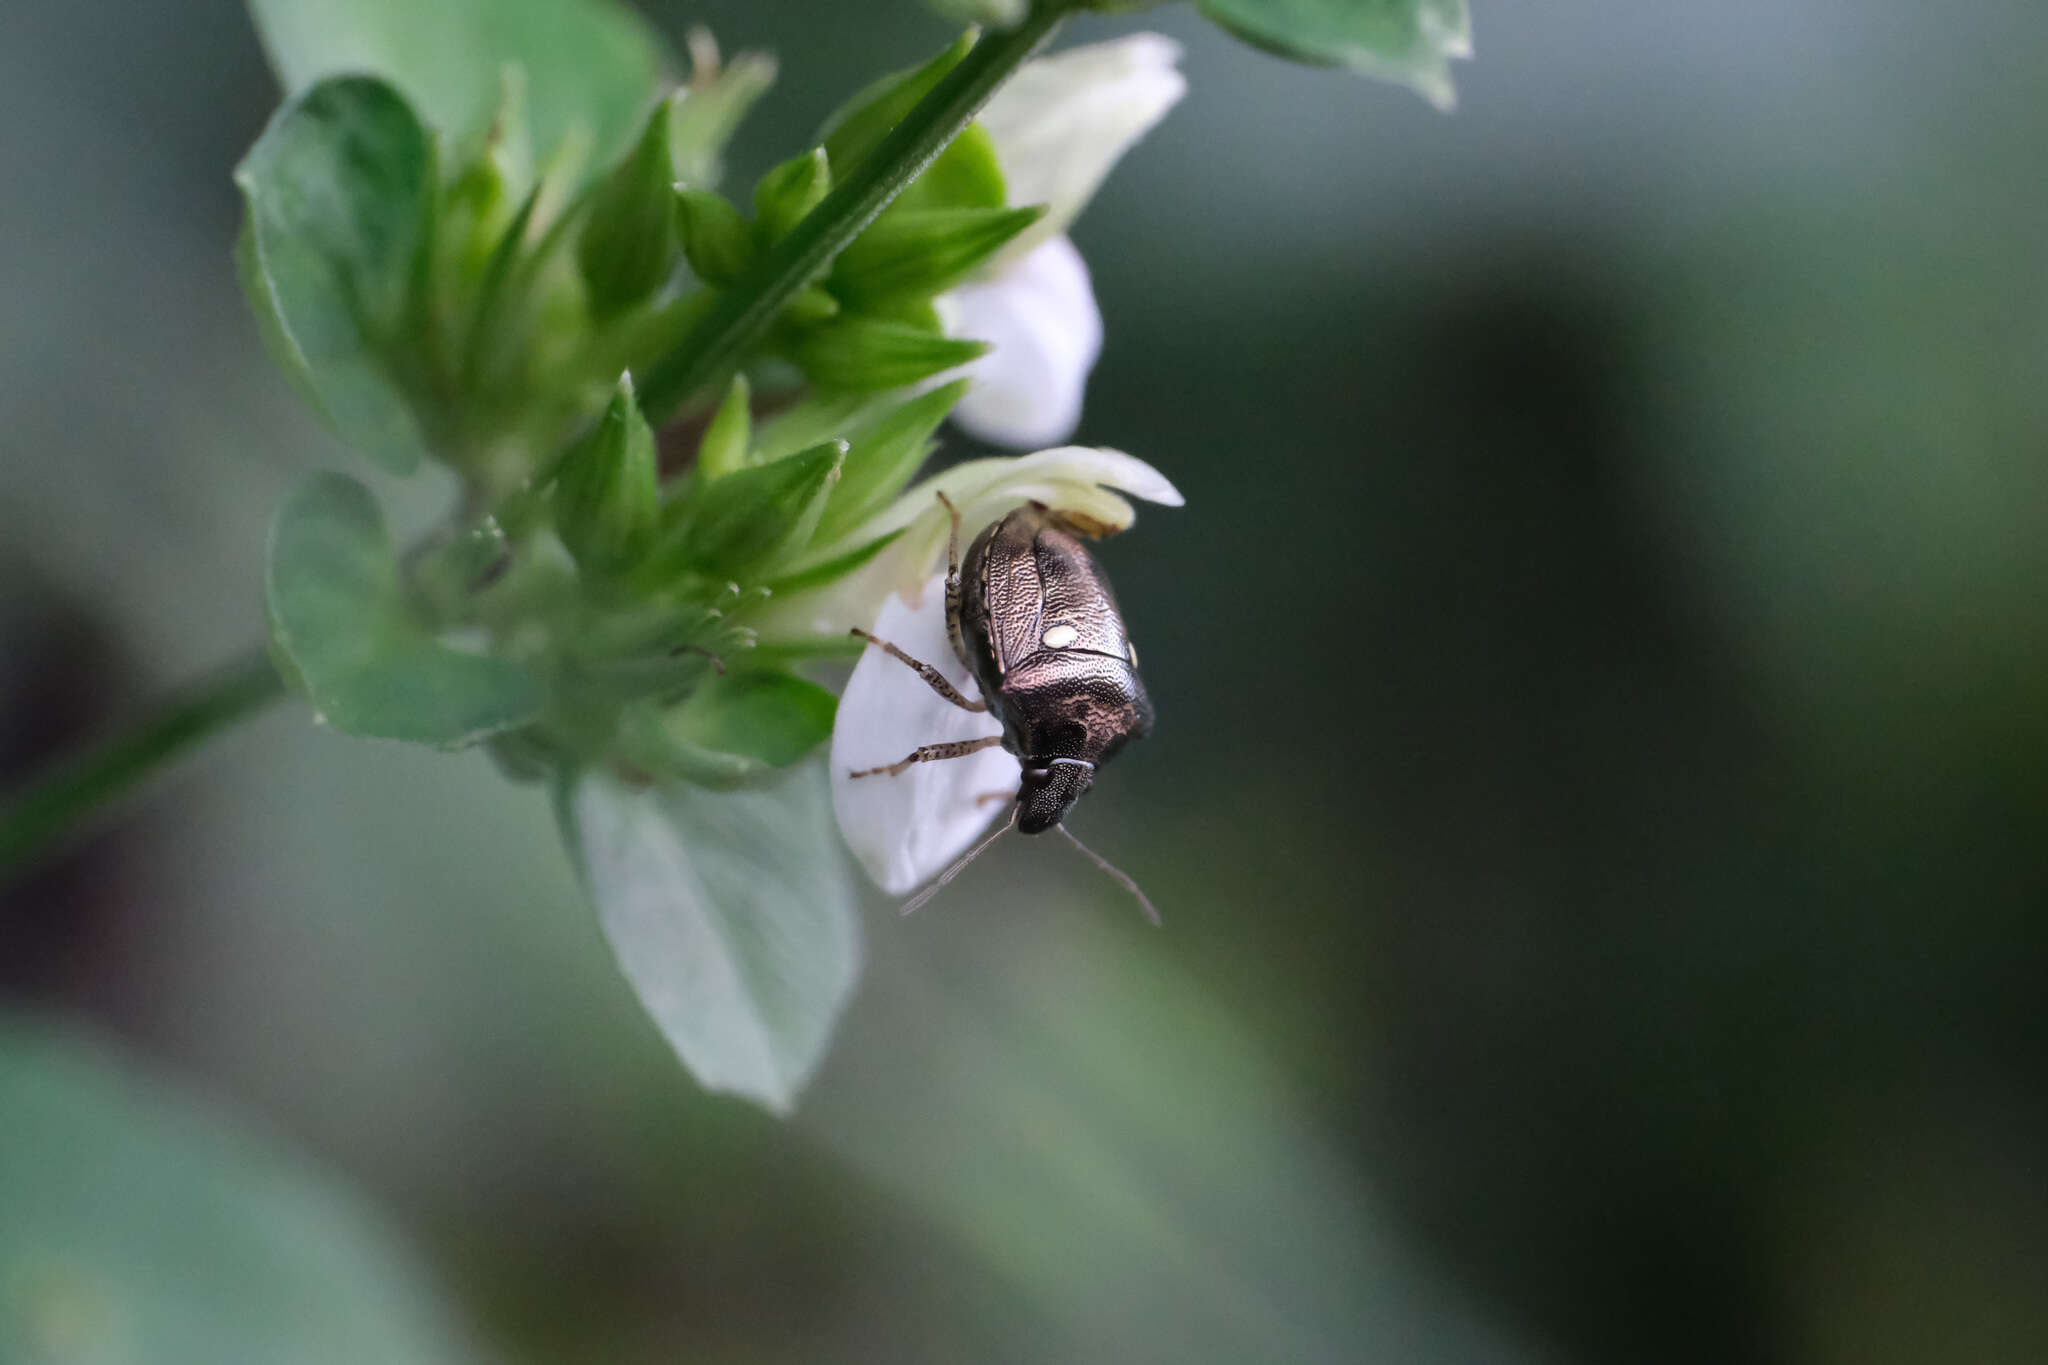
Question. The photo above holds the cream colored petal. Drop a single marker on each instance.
(904, 830)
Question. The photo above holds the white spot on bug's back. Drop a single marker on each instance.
(1059, 637)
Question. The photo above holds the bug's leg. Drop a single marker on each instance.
(932, 753)
(953, 589)
(986, 797)
(933, 678)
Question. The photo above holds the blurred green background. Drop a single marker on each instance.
(1598, 804)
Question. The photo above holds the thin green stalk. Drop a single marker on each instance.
(744, 313)
(56, 807)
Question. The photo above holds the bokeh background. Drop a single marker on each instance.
(1598, 807)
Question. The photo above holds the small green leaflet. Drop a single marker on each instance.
(338, 615)
(1409, 41)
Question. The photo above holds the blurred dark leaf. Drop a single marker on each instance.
(139, 1228)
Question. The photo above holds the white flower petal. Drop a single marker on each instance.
(1063, 121)
(1040, 315)
(906, 829)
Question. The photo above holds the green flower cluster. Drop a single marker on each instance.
(491, 319)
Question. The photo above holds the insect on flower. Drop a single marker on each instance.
(1031, 616)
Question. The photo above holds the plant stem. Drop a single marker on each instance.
(744, 313)
(56, 807)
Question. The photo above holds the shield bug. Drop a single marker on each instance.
(1031, 616)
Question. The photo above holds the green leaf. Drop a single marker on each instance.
(1410, 41)
(914, 255)
(609, 495)
(864, 354)
(338, 199)
(732, 915)
(590, 67)
(788, 192)
(884, 458)
(141, 1227)
(752, 516)
(776, 718)
(716, 239)
(628, 244)
(337, 612)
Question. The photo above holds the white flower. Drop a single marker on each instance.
(905, 829)
(1059, 126)
(1040, 315)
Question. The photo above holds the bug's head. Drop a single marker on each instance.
(1049, 791)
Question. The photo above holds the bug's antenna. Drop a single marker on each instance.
(1144, 901)
(921, 897)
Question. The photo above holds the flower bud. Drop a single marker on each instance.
(885, 457)
(790, 191)
(752, 517)
(862, 354)
(607, 498)
(716, 238)
(728, 434)
(916, 254)
(628, 245)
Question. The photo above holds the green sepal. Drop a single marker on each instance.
(729, 432)
(863, 354)
(914, 255)
(772, 717)
(882, 460)
(607, 496)
(497, 324)
(716, 238)
(751, 517)
(857, 127)
(810, 307)
(627, 247)
(788, 192)
(967, 175)
(338, 613)
(644, 744)
(832, 570)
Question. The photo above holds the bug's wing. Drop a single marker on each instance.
(1076, 594)
(1015, 588)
